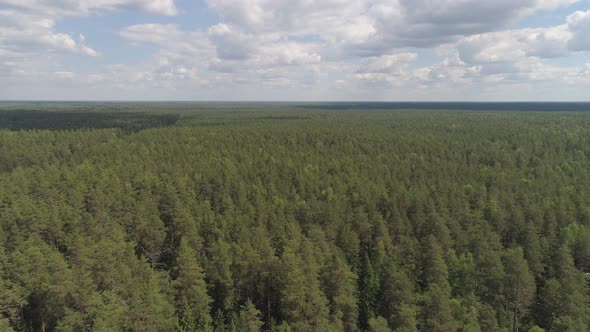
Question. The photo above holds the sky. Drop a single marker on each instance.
(295, 50)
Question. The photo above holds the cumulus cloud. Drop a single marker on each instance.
(376, 26)
(373, 29)
(289, 53)
(180, 56)
(427, 23)
(388, 63)
(375, 42)
(579, 25)
(223, 51)
(504, 56)
(28, 27)
(511, 45)
(85, 7)
(497, 57)
(232, 44)
(64, 75)
(389, 68)
(303, 44)
(159, 34)
(24, 33)
(451, 70)
(552, 4)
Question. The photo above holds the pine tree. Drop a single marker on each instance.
(303, 305)
(44, 275)
(368, 290)
(434, 268)
(519, 284)
(378, 324)
(192, 300)
(563, 301)
(150, 307)
(397, 298)
(436, 310)
(436, 298)
(12, 298)
(249, 318)
(341, 290)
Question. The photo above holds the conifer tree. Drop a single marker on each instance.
(303, 305)
(519, 285)
(249, 318)
(192, 300)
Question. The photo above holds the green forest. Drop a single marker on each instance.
(278, 217)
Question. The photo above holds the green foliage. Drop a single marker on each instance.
(340, 287)
(378, 324)
(249, 318)
(519, 285)
(140, 217)
(536, 329)
(397, 298)
(191, 291)
(303, 303)
(436, 310)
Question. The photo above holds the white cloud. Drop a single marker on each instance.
(390, 68)
(388, 63)
(297, 16)
(28, 27)
(545, 43)
(290, 53)
(179, 52)
(377, 26)
(232, 44)
(354, 46)
(64, 75)
(377, 29)
(84, 7)
(579, 25)
(552, 4)
(222, 51)
(152, 33)
(513, 45)
(511, 56)
(173, 42)
(24, 33)
(298, 44)
(450, 71)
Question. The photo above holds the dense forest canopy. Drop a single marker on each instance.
(180, 217)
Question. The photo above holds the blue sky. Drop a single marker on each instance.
(472, 50)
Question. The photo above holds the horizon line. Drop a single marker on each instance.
(281, 101)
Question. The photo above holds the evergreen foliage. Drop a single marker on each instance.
(290, 219)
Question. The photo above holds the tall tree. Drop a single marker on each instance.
(192, 300)
(341, 290)
(368, 290)
(519, 285)
(303, 304)
(436, 297)
(397, 302)
(249, 318)
(43, 273)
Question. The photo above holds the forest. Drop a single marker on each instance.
(286, 217)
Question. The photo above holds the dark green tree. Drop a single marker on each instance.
(192, 300)
(519, 285)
